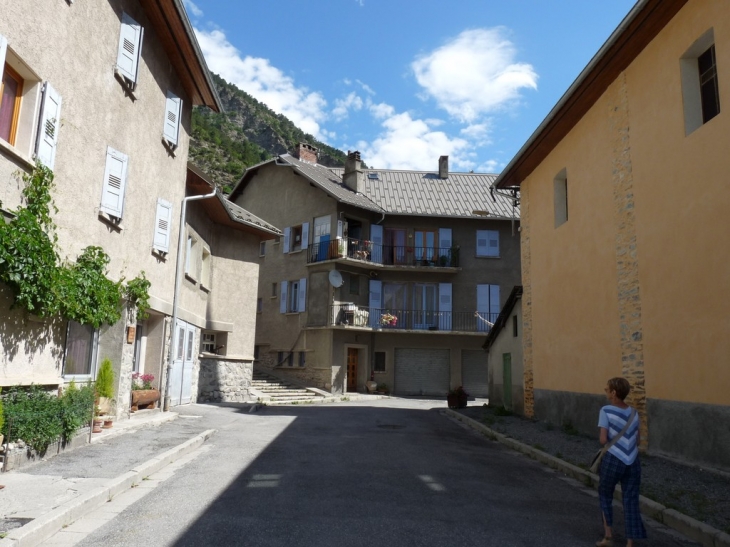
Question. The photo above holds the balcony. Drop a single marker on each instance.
(363, 252)
(348, 315)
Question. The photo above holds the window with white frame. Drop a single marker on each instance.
(487, 243)
(700, 88)
(30, 110)
(560, 198)
(80, 355)
(208, 342)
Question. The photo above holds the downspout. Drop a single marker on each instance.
(176, 294)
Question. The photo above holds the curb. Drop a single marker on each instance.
(143, 424)
(691, 528)
(45, 526)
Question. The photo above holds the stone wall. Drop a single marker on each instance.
(224, 380)
(319, 377)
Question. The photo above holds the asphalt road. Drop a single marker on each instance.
(390, 472)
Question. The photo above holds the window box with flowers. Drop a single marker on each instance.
(457, 398)
(143, 394)
(388, 320)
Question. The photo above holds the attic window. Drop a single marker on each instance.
(373, 176)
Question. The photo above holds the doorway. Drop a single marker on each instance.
(181, 380)
(352, 360)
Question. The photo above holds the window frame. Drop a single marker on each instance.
(17, 101)
(692, 102)
(262, 248)
(487, 254)
(560, 198)
(207, 339)
(92, 357)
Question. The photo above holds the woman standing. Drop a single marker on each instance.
(621, 463)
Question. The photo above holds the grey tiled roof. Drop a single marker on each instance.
(424, 193)
(239, 214)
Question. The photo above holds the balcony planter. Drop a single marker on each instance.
(144, 398)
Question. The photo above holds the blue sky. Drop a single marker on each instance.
(407, 81)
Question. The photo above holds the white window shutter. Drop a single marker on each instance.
(283, 297)
(130, 46)
(3, 51)
(375, 302)
(302, 295)
(173, 108)
(115, 180)
(287, 238)
(163, 219)
(376, 238)
(493, 243)
(482, 243)
(48, 125)
(305, 235)
(445, 306)
(445, 241)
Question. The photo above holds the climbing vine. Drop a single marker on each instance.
(137, 292)
(44, 285)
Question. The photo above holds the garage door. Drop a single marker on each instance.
(422, 371)
(474, 372)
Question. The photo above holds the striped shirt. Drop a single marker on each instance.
(614, 419)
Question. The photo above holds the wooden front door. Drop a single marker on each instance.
(352, 354)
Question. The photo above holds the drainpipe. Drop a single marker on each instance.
(176, 294)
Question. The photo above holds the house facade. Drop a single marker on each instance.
(381, 275)
(108, 109)
(623, 200)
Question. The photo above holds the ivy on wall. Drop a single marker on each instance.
(44, 285)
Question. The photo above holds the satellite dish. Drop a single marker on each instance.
(335, 278)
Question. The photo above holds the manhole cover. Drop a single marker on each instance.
(11, 524)
(390, 426)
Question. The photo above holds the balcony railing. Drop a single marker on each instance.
(352, 315)
(389, 255)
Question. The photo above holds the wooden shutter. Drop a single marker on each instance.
(115, 180)
(173, 108)
(493, 236)
(163, 219)
(445, 306)
(130, 46)
(376, 238)
(302, 295)
(282, 300)
(305, 235)
(375, 302)
(49, 123)
(3, 51)
(287, 237)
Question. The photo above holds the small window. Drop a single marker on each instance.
(280, 358)
(373, 176)
(293, 302)
(709, 91)
(700, 87)
(514, 325)
(262, 248)
(488, 243)
(81, 341)
(209, 342)
(296, 238)
(560, 198)
(12, 92)
(302, 358)
(274, 293)
(354, 284)
(379, 365)
(259, 305)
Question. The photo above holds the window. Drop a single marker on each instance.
(209, 342)
(425, 310)
(115, 182)
(205, 268)
(280, 358)
(296, 238)
(81, 342)
(514, 326)
(488, 306)
(262, 248)
(273, 290)
(354, 284)
(379, 364)
(128, 53)
(293, 303)
(700, 88)
(259, 305)
(285, 358)
(163, 218)
(425, 243)
(293, 296)
(12, 92)
(488, 243)
(302, 358)
(171, 126)
(560, 198)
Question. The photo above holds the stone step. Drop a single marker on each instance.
(287, 399)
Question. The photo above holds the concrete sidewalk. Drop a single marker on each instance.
(41, 498)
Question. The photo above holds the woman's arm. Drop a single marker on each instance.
(603, 435)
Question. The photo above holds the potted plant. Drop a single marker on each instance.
(143, 394)
(382, 388)
(97, 420)
(457, 398)
(105, 385)
(388, 320)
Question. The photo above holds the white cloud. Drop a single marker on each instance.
(406, 143)
(474, 74)
(366, 87)
(192, 8)
(262, 80)
(343, 106)
(380, 110)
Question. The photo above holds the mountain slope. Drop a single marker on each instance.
(246, 133)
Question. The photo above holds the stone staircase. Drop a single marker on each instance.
(271, 390)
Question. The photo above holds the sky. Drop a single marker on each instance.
(406, 81)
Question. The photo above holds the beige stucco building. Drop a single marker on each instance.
(381, 275)
(108, 109)
(624, 260)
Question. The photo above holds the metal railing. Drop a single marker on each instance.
(352, 315)
(389, 255)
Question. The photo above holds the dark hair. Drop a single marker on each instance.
(621, 386)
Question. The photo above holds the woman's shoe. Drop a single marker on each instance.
(605, 542)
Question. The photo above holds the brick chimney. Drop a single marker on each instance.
(307, 152)
(444, 167)
(354, 177)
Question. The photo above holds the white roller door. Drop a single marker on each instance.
(474, 372)
(422, 371)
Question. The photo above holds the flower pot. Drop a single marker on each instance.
(96, 426)
(108, 423)
(144, 398)
(105, 405)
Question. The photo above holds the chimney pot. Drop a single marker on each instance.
(307, 152)
(444, 167)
